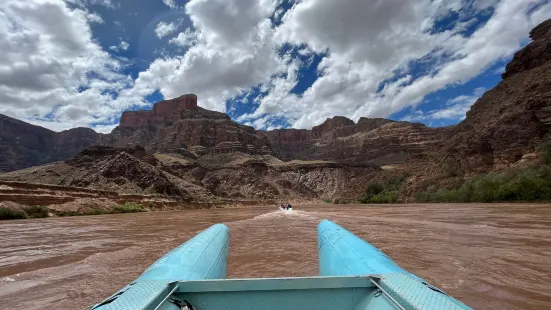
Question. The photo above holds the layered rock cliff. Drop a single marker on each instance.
(378, 141)
(512, 119)
(180, 125)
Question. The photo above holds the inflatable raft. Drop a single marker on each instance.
(353, 275)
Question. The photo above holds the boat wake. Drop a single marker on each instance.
(301, 214)
(280, 215)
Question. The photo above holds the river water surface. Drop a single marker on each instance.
(494, 256)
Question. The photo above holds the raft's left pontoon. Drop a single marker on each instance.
(205, 256)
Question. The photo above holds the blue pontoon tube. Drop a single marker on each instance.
(353, 275)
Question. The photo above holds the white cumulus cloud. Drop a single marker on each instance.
(63, 78)
(171, 4)
(370, 42)
(163, 29)
(122, 46)
(455, 108)
(379, 57)
(232, 49)
(186, 38)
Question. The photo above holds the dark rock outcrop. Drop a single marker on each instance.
(535, 54)
(124, 167)
(132, 171)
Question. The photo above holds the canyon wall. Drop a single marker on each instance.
(379, 141)
(24, 145)
(512, 119)
(180, 125)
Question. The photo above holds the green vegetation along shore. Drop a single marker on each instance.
(514, 184)
(531, 183)
(14, 211)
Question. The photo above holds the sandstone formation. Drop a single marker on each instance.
(80, 200)
(168, 110)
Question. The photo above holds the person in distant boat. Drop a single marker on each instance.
(289, 206)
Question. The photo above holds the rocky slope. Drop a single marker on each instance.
(236, 175)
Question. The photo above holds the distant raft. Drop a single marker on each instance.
(353, 275)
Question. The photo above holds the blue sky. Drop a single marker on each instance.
(267, 63)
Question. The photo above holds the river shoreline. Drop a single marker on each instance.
(55, 211)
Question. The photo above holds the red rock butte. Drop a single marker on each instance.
(162, 109)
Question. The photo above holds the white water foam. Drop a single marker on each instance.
(301, 214)
(280, 215)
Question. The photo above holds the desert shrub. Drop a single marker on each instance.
(68, 213)
(452, 168)
(124, 208)
(486, 188)
(11, 214)
(460, 194)
(96, 212)
(526, 187)
(373, 189)
(37, 211)
(545, 151)
(395, 182)
(128, 207)
(327, 201)
(385, 197)
(385, 192)
(85, 212)
(340, 201)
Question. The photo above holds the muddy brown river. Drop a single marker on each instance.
(495, 256)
